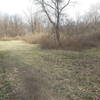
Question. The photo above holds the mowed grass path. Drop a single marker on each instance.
(30, 73)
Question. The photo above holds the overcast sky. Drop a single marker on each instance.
(19, 6)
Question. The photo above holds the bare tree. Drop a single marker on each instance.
(5, 24)
(29, 15)
(32, 19)
(54, 10)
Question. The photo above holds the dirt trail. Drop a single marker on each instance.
(30, 86)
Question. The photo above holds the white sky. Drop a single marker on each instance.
(19, 6)
(81, 7)
(13, 6)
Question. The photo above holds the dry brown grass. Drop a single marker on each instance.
(74, 42)
(33, 38)
(10, 38)
(69, 42)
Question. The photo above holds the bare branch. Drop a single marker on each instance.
(49, 5)
(65, 5)
(53, 2)
(44, 9)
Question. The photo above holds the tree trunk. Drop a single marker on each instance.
(57, 33)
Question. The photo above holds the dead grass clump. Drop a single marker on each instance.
(74, 42)
(79, 42)
(33, 38)
(48, 42)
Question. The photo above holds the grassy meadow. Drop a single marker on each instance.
(30, 73)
